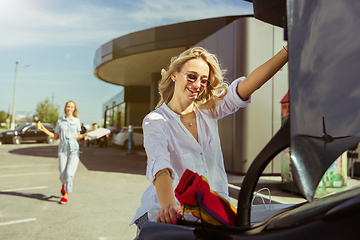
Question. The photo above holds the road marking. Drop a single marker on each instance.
(261, 195)
(24, 174)
(17, 166)
(21, 189)
(18, 221)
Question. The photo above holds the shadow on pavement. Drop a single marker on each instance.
(94, 158)
(37, 196)
(43, 151)
(113, 159)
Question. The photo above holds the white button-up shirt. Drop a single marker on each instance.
(169, 144)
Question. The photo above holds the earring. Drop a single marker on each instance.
(173, 80)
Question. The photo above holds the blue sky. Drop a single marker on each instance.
(58, 39)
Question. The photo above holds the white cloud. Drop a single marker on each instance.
(158, 11)
(24, 23)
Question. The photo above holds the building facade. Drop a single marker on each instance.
(241, 43)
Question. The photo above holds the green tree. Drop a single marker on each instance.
(3, 116)
(47, 112)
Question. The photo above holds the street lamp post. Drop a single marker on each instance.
(12, 126)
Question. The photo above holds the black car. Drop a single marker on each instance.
(26, 132)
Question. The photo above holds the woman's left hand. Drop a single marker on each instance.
(169, 214)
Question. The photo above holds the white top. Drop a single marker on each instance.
(169, 144)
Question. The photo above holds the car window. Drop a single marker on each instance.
(32, 128)
(20, 127)
(49, 127)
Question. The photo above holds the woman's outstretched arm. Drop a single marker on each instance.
(81, 136)
(53, 135)
(262, 74)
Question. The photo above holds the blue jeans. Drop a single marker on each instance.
(68, 154)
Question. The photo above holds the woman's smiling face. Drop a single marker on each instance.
(185, 90)
(70, 108)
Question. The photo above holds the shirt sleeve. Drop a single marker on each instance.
(156, 146)
(57, 128)
(231, 102)
(78, 126)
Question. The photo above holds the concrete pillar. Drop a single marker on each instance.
(154, 92)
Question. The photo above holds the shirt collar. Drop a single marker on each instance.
(169, 111)
(174, 114)
(64, 118)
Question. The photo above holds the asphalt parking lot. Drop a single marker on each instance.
(107, 189)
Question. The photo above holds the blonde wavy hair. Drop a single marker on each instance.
(207, 98)
(76, 111)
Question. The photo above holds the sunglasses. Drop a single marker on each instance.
(191, 78)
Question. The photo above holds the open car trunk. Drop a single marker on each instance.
(324, 57)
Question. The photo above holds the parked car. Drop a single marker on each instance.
(27, 132)
(122, 138)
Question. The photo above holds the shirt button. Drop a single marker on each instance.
(206, 171)
(201, 153)
(152, 160)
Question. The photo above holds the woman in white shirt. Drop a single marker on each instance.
(182, 132)
(68, 130)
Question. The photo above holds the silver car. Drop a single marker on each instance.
(122, 138)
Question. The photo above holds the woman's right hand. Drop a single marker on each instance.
(42, 128)
(47, 132)
(169, 214)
